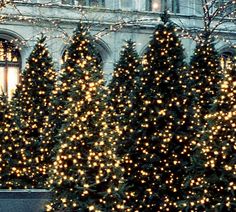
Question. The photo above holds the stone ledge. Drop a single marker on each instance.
(20, 200)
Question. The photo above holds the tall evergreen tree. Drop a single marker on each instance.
(124, 80)
(122, 87)
(31, 104)
(6, 145)
(74, 57)
(213, 173)
(205, 77)
(86, 174)
(157, 150)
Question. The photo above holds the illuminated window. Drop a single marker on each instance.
(154, 5)
(161, 5)
(91, 3)
(226, 60)
(9, 67)
(64, 57)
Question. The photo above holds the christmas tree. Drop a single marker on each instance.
(62, 93)
(205, 77)
(124, 79)
(86, 174)
(157, 148)
(213, 174)
(31, 105)
(6, 145)
(122, 87)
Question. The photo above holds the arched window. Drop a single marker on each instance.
(103, 55)
(10, 64)
(161, 5)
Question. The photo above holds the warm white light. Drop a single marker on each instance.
(2, 79)
(13, 80)
(156, 5)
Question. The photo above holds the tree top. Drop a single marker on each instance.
(165, 17)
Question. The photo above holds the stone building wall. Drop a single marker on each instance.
(27, 20)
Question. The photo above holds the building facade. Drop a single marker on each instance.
(112, 22)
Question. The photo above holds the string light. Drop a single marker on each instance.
(81, 85)
(31, 104)
(86, 164)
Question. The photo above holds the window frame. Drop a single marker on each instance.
(6, 64)
(172, 5)
(100, 2)
(89, 3)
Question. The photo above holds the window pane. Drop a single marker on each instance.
(82, 2)
(71, 2)
(96, 3)
(9, 66)
(2, 79)
(1, 52)
(13, 80)
(126, 4)
(156, 5)
(175, 6)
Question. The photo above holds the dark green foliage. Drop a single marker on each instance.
(122, 87)
(124, 79)
(205, 77)
(6, 145)
(157, 148)
(211, 177)
(31, 107)
(122, 95)
(86, 174)
(75, 58)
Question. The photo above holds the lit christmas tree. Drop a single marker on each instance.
(213, 173)
(124, 79)
(6, 145)
(31, 105)
(205, 77)
(122, 87)
(157, 148)
(86, 174)
(68, 77)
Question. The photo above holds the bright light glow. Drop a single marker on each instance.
(13, 80)
(2, 79)
(156, 5)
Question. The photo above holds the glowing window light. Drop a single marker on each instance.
(173, 6)
(13, 80)
(9, 67)
(226, 60)
(156, 5)
(2, 79)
